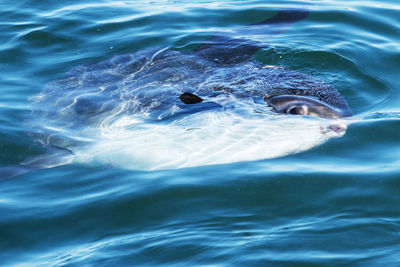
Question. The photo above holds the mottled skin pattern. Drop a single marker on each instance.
(148, 83)
(151, 82)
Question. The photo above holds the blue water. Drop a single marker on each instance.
(336, 204)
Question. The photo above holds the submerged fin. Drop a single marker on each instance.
(8, 172)
(189, 98)
(53, 157)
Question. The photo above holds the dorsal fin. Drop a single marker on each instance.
(286, 16)
(226, 49)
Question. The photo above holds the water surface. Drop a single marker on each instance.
(336, 204)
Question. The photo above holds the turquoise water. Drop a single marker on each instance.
(336, 204)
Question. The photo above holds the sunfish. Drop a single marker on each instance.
(165, 109)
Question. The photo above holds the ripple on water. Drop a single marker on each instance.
(336, 204)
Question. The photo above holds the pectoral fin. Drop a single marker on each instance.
(189, 98)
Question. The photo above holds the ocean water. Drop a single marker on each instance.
(336, 204)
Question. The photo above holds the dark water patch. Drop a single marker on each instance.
(43, 39)
(15, 146)
(18, 55)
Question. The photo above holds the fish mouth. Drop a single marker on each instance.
(335, 129)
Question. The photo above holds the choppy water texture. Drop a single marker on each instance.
(336, 204)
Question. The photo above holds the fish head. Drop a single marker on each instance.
(312, 106)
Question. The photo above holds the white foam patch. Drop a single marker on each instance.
(204, 138)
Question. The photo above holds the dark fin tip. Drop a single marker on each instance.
(287, 16)
(189, 98)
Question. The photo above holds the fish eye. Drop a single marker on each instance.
(305, 105)
(297, 110)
